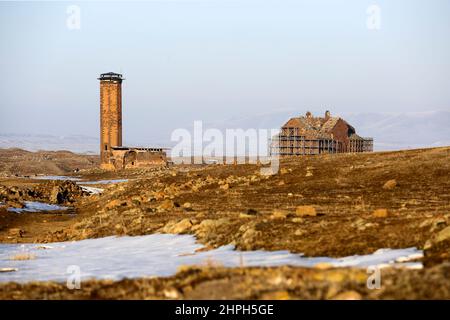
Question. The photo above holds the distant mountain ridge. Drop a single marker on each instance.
(75, 143)
(391, 131)
(405, 130)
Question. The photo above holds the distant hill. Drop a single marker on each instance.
(22, 162)
(391, 131)
(74, 143)
(404, 130)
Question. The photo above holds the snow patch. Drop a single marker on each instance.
(162, 254)
(33, 206)
(104, 181)
(92, 190)
(59, 178)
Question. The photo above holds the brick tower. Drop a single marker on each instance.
(110, 115)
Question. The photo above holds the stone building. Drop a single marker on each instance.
(307, 135)
(113, 155)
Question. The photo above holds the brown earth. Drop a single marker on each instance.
(15, 161)
(330, 205)
(251, 283)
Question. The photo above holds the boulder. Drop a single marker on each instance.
(276, 295)
(166, 205)
(348, 295)
(303, 211)
(390, 184)
(380, 213)
(209, 226)
(187, 205)
(250, 235)
(225, 186)
(61, 192)
(115, 203)
(279, 214)
(443, 235)
(178, 227)
(16, 232)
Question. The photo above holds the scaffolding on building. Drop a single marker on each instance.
(312, 136)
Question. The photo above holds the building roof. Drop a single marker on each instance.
(314, 127)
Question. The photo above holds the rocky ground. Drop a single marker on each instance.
(251, 283)
(330, 205)
(21, 162)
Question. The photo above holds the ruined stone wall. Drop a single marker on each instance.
(125, 159)
(147, 158)
(141, 158)
(110, 118)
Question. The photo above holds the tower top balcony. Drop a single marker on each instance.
(111, 76)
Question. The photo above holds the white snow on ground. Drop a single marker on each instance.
(56, 178)
(79, 180)
(82, 184)
(33, 206)
(103, 181)
(92, 190)
(161, 255)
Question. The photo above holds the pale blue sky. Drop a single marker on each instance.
(210, 60)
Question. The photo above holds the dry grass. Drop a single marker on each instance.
(23, 256)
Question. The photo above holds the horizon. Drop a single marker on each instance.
(381, 126)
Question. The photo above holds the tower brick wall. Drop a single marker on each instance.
(110, 115)
(113, 155)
